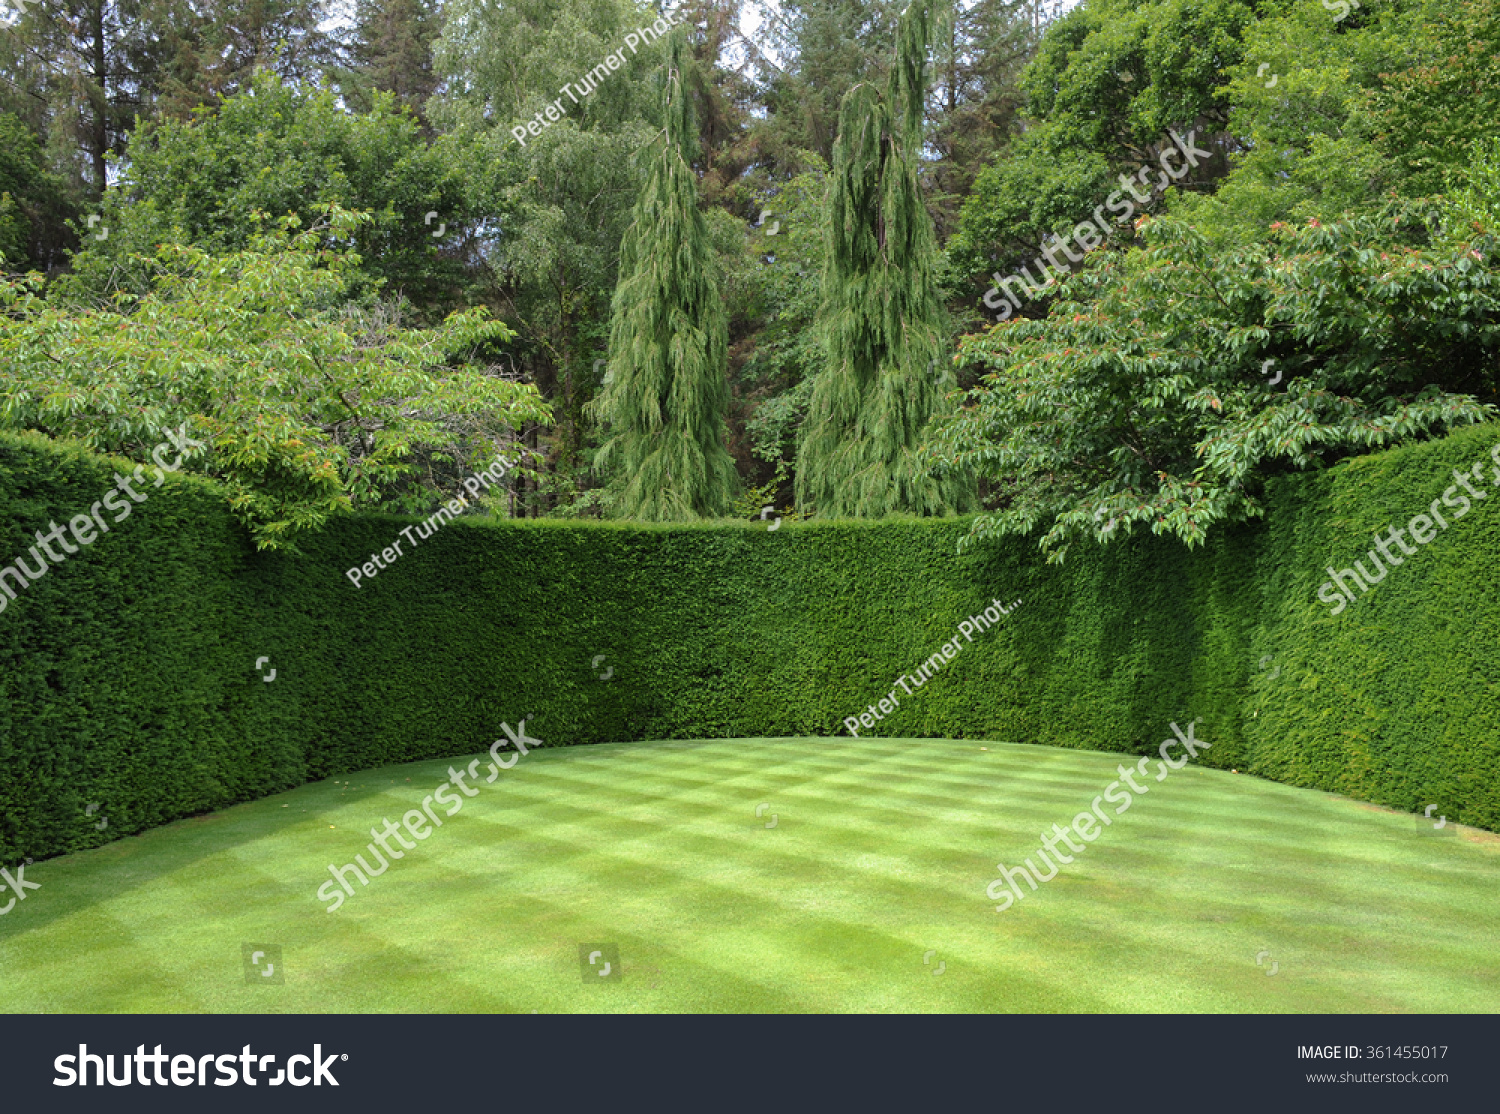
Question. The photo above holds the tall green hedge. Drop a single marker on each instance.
(128, 679)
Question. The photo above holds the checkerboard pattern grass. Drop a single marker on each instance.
(879, 857)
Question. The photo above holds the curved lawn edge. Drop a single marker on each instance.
(881, 852)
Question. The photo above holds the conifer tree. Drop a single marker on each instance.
(666, 394)
(392, 51)
(880, 318)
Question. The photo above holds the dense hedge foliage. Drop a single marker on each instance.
(128, 678)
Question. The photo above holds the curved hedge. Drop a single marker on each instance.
(128, 679)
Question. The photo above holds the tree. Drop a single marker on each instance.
(725, 104)
(881, 321)
(1475, 199)
(222, 44)
(784, 295)
(1301, 130)
(1108, 81)
(78, 72)
(828, 45)
(81, 72)
(1426, 114)
(34, 203)
(979, 55)
(1170, 382)
(307, 406)
(276, 150)
(666, 397)
(562, 200)
(392, 52)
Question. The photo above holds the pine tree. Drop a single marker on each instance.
(881, 318)
(392, 51)
(829, 46)
(78, 72)
(666, 394)
(982, 49)
(84, 73)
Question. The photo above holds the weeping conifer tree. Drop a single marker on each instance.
(880, 318)
(666, 395)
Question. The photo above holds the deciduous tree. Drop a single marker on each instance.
(1170, 382)
(307, 408)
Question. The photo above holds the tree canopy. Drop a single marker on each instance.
(308, 405)
(793, 265)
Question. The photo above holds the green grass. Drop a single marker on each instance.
(881, 852)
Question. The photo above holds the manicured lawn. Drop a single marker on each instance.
(881, 853)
